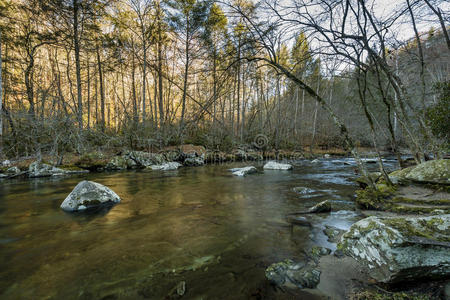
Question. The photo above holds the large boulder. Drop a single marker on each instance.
(243, 171)
(433, 171)
(118, 163)
(92, 161)
(401, 248)
(39, 169)
(191, 151)
(173, 155)
(273, 165)
(194, 161)
(145, 159)
(89, 194)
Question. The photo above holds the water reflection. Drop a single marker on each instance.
(192, 222)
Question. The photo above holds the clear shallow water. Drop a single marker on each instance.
(200, 225)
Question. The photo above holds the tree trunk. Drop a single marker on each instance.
(144, 76)
(185, 80)
(88, 95)
(133, 88)
(76, 43)
(160, 71)
(102, 91)
(1, 99)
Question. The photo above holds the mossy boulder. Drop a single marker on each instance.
(401, 248)
(433, 171)
(92, 161)
(374, 199)
(143, 159)
(117, 163)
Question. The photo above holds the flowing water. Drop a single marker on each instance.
(203, 226)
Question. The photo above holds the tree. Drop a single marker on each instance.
(187, 20)
(216, 27)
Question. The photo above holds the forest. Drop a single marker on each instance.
(258, 149)
(79, 76)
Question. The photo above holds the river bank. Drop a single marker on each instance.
(185, 155)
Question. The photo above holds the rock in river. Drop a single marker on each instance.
(39, 169)
(89, 194)
(173, 165)
(401, 248)
(243, 171)
(273, 165)
(194, 161)
(291, 274)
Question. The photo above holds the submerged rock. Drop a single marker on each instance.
(173, 165)
(181, 288)
(317, 252)
(315, 161)
(273, 165)
(333, 233)
(401, 249)
(301, 221)
(243, 171)
(433, 171)
(293, 275)
(303, 190)
(89, 194)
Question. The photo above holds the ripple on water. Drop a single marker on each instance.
(191, 219)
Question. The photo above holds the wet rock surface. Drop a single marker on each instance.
(401, 248)
(433, 171)
(333, 233)
(39, 169)
(293, 274)
(243, 171)
(194, 161)
(173, 165)
(89, 194)
(273, 165)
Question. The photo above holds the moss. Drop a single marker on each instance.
(418, 201)
(378, 295)
(398, 208)
(425, 228)
(70, 168)
(373, 199)
(386, 189)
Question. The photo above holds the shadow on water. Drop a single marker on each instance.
(214, 231)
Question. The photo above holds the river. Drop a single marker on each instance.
(201, 225)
